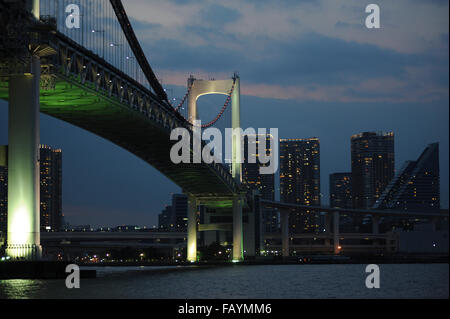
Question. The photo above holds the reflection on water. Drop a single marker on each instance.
(20, 288)
(281, 281)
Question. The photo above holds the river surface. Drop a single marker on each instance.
(242, 281)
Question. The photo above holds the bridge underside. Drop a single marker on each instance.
(105, 116)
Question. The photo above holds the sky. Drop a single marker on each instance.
(309, 68)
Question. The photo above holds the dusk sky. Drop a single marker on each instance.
(309, 68)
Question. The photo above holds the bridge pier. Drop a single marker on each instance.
(192, 229)
(375, 224)
(337, 248)
(328, 219)
(238, 245)
(23, 237)
(284, 221)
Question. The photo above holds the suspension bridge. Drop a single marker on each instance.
(95, 75)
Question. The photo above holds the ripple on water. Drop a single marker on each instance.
(240, 281)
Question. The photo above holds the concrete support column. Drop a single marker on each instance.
(192, 102)
(336, 233)
(328, 219)
(434, 222)
(192, 229)
(33, 6)
(375, 224)
(23, 237)
(258, 222)
(284, 223)
(238, 252)
(236, 168)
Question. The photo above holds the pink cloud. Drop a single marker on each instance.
(385, 89)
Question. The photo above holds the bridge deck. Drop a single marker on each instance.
(92, 94)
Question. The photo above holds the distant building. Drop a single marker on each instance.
(341, 190)
(372, 156)
(127, 228)
(180, 210)
(300, 180)
(51, 217)
(165, 220)
(416, 187)
(174, 217)
(265, 183)
(51, 188)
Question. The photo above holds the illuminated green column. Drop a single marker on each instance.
(238, 244)
(238, 252)
(192, 229)
(33, 6)
(23, 238)
(236, 146)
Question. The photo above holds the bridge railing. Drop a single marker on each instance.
(94, 26)
(75, 63)
(65, 56)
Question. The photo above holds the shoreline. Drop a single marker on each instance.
(297, 260)
(56, 269)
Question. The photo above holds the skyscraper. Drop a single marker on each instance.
(265, 183)
(165, 220)
(180, 208)
(341, 190)
(300, 180)
(51, 188)
(416, 187)
(174, 217)
(373, 167)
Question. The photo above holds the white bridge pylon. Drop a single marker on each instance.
(196, 89)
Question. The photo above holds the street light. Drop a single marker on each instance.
(103, 40)
(112, 45)
(133, 59)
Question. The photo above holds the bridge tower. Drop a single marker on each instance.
(23, 237)
(198, 88)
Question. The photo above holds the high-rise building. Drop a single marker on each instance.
(300, 180)
(180, 210)
(416, 187)
(373, 167)
(341, 190)
(165, 220)
(51, 217)
(265, 183)
(51, 188)
(174, 217)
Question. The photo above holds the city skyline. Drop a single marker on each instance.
(298, 93)
(50, 188)
(154, 216)
(276, 150)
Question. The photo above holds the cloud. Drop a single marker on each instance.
(304, 50)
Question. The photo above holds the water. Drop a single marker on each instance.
(265, 281)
